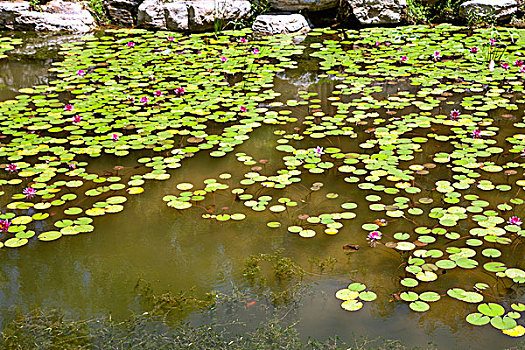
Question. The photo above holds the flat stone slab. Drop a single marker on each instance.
(500, 9)
(277, 24)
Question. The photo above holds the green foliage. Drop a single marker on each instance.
(323, 265)
(417, 12)
(97, 10)
(425, 12)
(284, 269)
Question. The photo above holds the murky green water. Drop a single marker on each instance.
(95, 273)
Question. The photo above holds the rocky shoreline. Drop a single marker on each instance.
(284, 16)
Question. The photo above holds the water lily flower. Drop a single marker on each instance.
(157, 93)
(130, 44)
(179, 91)
(255, 51)
(518, 63)
(514, 220)
(224, 58)
(144, 100)
(492, 42)
(491, 65)
(474, 49)
(81, 72)
(319, 151)
(68, 107)
(377, 43)
(373, 237)
(72, 165)
(170, 38)
(505, 65)
(30, 192)
(114, 137)
(522, 70)
(12, 167)
(436, 55)
(403, 58)
(77, 119)
(388, 44)
(454, 115)
(243, 109)
(4, 225)
(476, 134)
(243, 40)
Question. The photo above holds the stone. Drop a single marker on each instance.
(176, 15)
(499, 9)
(202, 14)
(151, 15)
(276, 24)
(122, 12)
(373, 12)
(309, 5)
(57, 15)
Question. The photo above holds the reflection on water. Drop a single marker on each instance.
(96, 273)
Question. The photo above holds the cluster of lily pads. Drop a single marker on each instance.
(430, 141)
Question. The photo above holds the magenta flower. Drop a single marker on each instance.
(4, 225)
(144, 100)
(377, 43)
(179, 91)
(77, 119)
(474, 49)
(476, 134)
(157, 93)
(436, 56)
(170, 38)
(81, 72)
(492, 42)
(522, 69)
(514, 220)
(114, 137)
(224, 59)
(130, 44)
(454, 115)
(72, 165)
(12, 168)
(243, 40)
(505, 66)
(403, 58)
(243, 109)
(30, 192)
(319, 151)
(374, 236)
(518, 63)
(388, 44)
(255, 51)
(68, 107)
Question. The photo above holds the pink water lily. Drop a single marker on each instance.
(179, 91)
(12, 167)
(170, 38)
(243, 40)
(403, 58)
(319, 151)
(518, 63)
(514, 220)
(130, 44)
(377, 43)
(436, 56)
(374, 236)
(114, 137)
(81, 72)
(476, 134)
(77, 119)
(158, 93)
(29, 192)
(224, 59)
(243, 109)
(505, 66)
(68, 107)
(255, 51)
(144, 100)
(474, 49)
(4, 225)
(454, 115)
(522, 69)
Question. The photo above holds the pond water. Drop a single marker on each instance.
(389, 146)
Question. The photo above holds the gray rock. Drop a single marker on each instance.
(151, 15)
(296, 5)
(176, 15)
(499, 9)
(57, 15)
(122, 12)
(202, 14)
(276, 24)
(198, 16)
(377, 11)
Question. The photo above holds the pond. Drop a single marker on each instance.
(386, 162)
